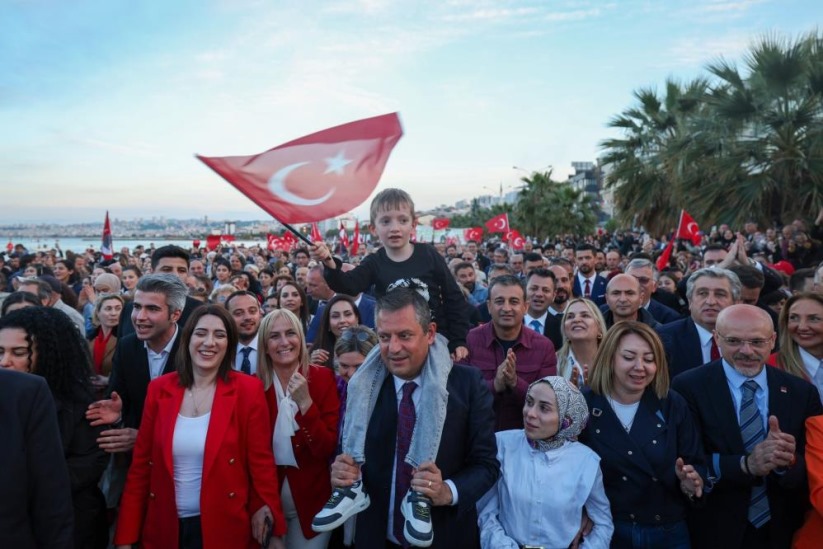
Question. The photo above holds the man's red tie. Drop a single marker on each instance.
(406, 418)
(715, 350)
(587, 291)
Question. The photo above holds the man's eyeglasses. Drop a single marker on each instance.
(758, 343)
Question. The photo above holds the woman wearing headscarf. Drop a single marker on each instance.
(547, 478)
(648, 443)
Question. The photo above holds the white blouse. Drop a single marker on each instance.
(187, 450)
(540, 496)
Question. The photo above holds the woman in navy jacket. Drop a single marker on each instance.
(649, 446)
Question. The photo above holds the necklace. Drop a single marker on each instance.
(626, 426)
(194, 400)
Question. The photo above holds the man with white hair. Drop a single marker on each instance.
(645, 271)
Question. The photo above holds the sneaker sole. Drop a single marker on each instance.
(337, 520)
(415, 538)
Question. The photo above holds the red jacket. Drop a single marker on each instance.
(811, 534)
(237, 465)
(314, 446)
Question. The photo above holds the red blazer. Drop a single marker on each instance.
(811, 534)
(315, 444)
(237, 466)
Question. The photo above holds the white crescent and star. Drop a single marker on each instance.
(692, 227)
(277, 182)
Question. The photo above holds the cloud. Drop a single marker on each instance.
(697, 51)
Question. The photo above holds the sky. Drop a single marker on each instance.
(103, 103)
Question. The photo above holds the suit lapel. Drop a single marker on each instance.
(694, 349)
(616, 436)
(222, 411)
(723, 405)
(780, 397)
(142, 365)
(171, 364)
(168, 405)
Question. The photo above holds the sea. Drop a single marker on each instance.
(82, 244)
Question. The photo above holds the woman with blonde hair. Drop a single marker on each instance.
(304, 409)
(583, 328)
(649, 446)
(801, 338)
(103, 341)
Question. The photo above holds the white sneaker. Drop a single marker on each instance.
(343, 503)
(417, 529)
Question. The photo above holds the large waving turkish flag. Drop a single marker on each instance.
(318, 176)
(688, 229)
(498, 224)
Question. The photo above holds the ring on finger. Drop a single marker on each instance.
(430, 484)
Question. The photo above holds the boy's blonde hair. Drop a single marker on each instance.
(388, 199)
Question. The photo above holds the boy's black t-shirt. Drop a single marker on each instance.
(425, 268)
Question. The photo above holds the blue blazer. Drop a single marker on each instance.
(638, 467)
(682, 344)
(467, 456)
(598, 292)
(663, 314)
(722, 521)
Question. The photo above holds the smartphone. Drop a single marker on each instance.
(267, 534)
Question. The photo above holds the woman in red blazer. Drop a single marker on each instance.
(304, 409)
(203, 453)
(811, 534)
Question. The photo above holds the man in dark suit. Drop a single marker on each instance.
(752, 419)
(587, 283)
(540, 287)
(36, 508)
(140, 357)
(645, 271)
(466, 466)
(172, 260)
(688, 341)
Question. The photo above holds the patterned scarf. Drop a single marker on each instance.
(572, 411)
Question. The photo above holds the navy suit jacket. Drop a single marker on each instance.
(682, 344)
(130, 375)
(598, 291)
(467, 456)
(36, 507)
(662, 313)
(721, 522)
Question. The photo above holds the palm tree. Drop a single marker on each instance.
(744, 145)
(545, 207)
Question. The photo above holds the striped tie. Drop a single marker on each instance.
(751, 428)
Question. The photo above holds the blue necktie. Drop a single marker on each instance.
(751, 428)
(245, 366)
(536, 326)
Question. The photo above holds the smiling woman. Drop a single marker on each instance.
(216, 420)
(801, 338)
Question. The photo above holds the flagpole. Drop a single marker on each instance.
(295, 232)
(679, 223)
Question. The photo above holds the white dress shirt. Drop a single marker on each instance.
(540, 495)
(238, 359)
(157, 361)
(813, 368)
(705, 343)
(527, 320)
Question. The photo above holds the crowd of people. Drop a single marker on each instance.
(460, 395)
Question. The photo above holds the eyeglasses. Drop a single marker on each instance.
(350, 334)
(737, 342)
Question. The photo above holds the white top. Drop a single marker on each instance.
(540, 495)
(705, 343)
(187, 449)
(157, 361)
(625, 412)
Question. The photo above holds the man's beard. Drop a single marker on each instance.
(561, 296)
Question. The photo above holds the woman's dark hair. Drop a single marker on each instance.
(137, 270)
(63, 357)
(185, 369)
(19, 297)
(74, 278)
(325, 339)
(304, 307)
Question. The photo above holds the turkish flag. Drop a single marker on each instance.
(318, 176)
(289, 239)
(10, 246)
(688, 228)
(195, 243)
(515, 239)
(213, 241)
(276, 243)
(355, 243)
(663, 260)
(440, 223)
(475, 233)
(498, 224)
(344, 236)
(315, 233)
(106, 244)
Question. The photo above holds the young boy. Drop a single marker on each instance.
(403, 263)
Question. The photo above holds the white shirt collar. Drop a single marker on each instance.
(167, 348)
(704, 334)
(541, 319)
(399, 382)
(811, 363)
(252, 345)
